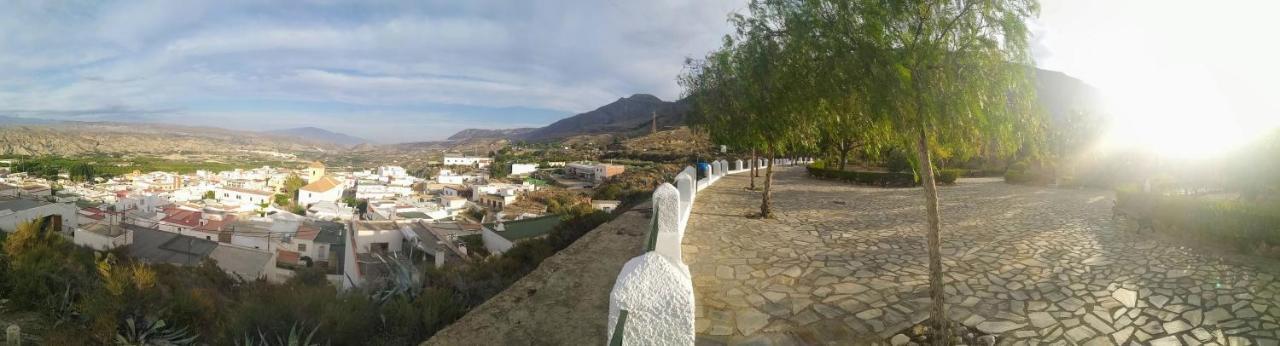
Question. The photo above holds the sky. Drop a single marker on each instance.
(397, 71)
(388, 71)
(1183, 78)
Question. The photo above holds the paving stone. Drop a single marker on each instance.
(997, 327)
(1039, 265)
(1125, 296)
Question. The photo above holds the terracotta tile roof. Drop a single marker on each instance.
(182, 217)
(323, 184)
(287, 257)
(307, 232)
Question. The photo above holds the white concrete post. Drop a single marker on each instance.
(658, 297)
(737, 165)
(687, 186)
(13, 335)
(666, 204)
(724, 169)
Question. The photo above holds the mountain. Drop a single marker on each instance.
(627, 116)
(1061, 94)
(490, 134)
(316, 134)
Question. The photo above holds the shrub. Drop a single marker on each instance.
(1021, 173)
(883, 179)
(948, 176)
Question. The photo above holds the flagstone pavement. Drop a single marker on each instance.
(844, 264)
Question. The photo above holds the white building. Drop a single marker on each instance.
(246, 199)
(102, 236)
(15, 211)
(448, 177)
(523, 168)
(475, 161)
(593, 171)
(324, 189)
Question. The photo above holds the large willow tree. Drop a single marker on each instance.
(941, 78)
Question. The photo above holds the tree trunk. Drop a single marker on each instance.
(844, 156)
(753, 169)
(765, 213)
(938, 313)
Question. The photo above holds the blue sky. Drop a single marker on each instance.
(390, 71)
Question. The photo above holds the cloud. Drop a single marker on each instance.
(479, 63)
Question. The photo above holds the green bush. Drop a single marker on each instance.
(1021, 173)
(883, 179)
(948, 176)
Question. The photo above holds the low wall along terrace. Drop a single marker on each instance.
(652, 300)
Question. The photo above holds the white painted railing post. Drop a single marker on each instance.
(658, 297)
(666, 206)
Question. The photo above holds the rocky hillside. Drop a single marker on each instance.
(85, 138)
(490, 134)
(628, 116)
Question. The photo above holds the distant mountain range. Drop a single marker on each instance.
(627, 116)
(69, 138)
(316, 134)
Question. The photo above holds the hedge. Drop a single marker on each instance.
(883, 179)
(1249, 227)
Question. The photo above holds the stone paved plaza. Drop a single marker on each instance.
(844, 264)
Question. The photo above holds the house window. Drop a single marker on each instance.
(302, 247)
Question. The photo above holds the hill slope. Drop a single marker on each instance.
(316, 134)
(84, 138)
(490, 134)
(628, 116)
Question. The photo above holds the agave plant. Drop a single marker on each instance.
(295, 338)
(157, 333)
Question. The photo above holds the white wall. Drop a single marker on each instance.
(393, 238)
(307, 197)
(102, 242)
(70, 216)
(523, 168)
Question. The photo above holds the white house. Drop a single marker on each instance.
(15, 211)
(246, 199)
(480, 162)
(448, 177)
(379, 236)
(102, 236)
(324, 189)
(523, 168)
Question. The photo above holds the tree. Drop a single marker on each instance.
(292, 184)
(208, 195)
(951, 80)
(945, 79)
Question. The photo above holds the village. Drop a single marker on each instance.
(356, 226)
